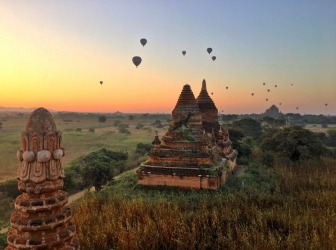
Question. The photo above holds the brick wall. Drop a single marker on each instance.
(190, 182)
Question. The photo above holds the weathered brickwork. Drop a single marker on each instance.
(42, 219)
(194, 150)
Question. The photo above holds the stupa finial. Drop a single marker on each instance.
(203, 84)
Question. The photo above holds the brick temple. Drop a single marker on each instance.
(42, 218)
(195, 152)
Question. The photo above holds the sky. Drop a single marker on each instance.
(54, 54)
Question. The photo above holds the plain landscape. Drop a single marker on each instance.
(183, 124)
(270, 201)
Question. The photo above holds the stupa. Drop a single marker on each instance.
(42, 219)
(209, 111)
(195, 152)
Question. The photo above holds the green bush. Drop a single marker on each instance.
(102, 119)
(139, 126)
(294, 142)
(10, 188)
(98, 168)
(3, 241)
(331, 141)
(267, 159)
(142, 148)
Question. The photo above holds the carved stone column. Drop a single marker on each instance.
(42, 218)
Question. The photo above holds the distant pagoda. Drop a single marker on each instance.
(273, 112)
(195, 152)
(42, 219)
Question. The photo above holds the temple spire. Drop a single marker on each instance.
(203, 85)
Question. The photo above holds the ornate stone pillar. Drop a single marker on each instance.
(42, 218)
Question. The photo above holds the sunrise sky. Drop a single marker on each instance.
(54, 53)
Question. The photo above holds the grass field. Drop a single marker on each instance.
(77, 139)
(285, 207)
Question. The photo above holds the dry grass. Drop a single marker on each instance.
(299, 213)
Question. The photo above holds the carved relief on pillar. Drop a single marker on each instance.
(42, 219)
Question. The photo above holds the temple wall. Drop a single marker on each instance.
(181, 161)
(189, 182)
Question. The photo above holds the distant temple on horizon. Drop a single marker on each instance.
(195, 152)
(273, 112)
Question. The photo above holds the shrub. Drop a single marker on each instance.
(91, 130)
(10, 188)
(249, 127)
(102, 119)
(139, 126)
(267, 159)
(294, 142)
(3, 241)
(142, 148)
(331, 141)
(124, 130)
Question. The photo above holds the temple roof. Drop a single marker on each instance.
(186, 101)
(204, 101)
(41, 121)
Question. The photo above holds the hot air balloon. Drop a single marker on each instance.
(264, 83)
(136, 60)
(326, 104)
(184, 52)
(213, 58)
(209, 50)
(211, 93)
(266, 99)
(280, 103)
(101, 82)
(276, 86)
(268, 90)
(297, 108)
(227, 87)
(292, 84)
(252, 94)
(143, 41)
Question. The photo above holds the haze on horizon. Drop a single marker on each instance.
(54, 54)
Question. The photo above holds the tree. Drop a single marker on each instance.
(142, 148)
(331, 141)
(9, 188)
(238, 143)
(229, 118)
(249, 127)
(97, 168)
(102, 119)
(267, 159)
(294, 142)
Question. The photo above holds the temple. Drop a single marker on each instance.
(42, 219)
(195, 152)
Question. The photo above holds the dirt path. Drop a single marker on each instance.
(78, 195)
